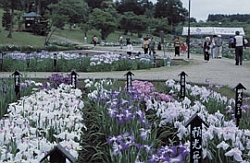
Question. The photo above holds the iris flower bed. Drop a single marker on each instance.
(65, 62)
(145, 125)
(36, 123)
(105, 123)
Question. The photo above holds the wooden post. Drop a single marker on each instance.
(182, 85)
(74, 79)
(238, 102)
(129, 80)
(195, 138)
(17, 75)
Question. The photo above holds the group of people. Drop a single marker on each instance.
(213, 47)
(148, 45)
(179, 47)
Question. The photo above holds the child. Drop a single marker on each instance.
(183, 48)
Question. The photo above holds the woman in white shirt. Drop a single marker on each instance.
(129, 48)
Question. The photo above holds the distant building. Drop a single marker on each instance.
(35, 23)
(206, 31)
(30, 19)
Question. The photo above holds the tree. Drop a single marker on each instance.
(172, 10)
(67, 12)
(84, 27)
(139, 7)
(38, 6)
(133, 23)
(125, 22)
(74, 10)
(10, 5)
(94, 3)
(104, 21)
(129, 6)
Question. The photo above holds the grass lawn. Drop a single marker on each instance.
(21, 38)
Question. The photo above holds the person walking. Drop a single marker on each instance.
(95, 40)
(129, 48)
(152, 46)
(120, 41)
(218, 47)
(213, 50)
(231, 42)
(206, 49)
(145, 45)
(239, 42)
(177, 45)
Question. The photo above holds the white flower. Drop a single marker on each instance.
(223, 145)
(88, 85)
(92, 63)
(182, 131)
(186, 102)
(206, 153)
(236, 153)
(248, 144)
(170, 83)
(239, 144)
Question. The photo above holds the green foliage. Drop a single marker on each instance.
(8, 95)
(52, 47)
(230, 18)
(104, 21)
(68, 11)
(81, 65)
(172, 10)
(137, 7)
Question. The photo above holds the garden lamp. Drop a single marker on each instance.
(129, 80)
(28, 59)
(58, 154)
(74, 78)
(80, 59)
(17, 75)
(55, 58)
(182, 84)
(1, 60)
(238, 102)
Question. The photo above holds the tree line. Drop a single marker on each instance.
(230, 18)
(130, 16)
(133, 16)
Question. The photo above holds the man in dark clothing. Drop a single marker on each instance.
(238, 48)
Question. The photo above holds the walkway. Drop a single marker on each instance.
(217, 71)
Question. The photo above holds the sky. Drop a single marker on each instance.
(200, 9)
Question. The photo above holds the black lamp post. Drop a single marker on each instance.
(80, 59)
(55, 58)
(129, 80)
(188, 39)
(1, 60)
(28, 59)
(17, 75)
(182, 84)
(238, 102)
(74, 78)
